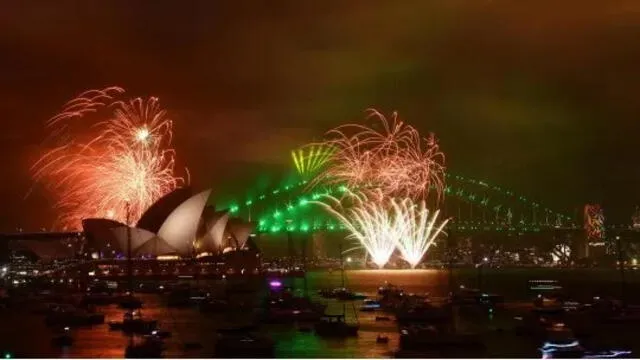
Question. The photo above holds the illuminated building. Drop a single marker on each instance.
(186, 227)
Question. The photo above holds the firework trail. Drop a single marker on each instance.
(420, 229)
(309, 159)
(127, 158)
(369, 221)
(394, 159)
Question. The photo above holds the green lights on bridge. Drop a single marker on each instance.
(299, 212)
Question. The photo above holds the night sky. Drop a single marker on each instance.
(538, 96)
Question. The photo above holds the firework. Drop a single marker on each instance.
(394, 159)
(381, 224)
(369, 221)
(311, 158)
(421, 229)
(561, 253)
(635, 218)
(594, 221)
(126, 159)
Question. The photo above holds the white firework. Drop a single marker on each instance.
(382, 224)
(420, 229)
(369, 221)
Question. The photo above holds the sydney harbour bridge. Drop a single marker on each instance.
(287, 217)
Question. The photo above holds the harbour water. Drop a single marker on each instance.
(24, 334)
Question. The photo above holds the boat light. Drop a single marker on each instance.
(550, 345)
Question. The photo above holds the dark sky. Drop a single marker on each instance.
(538, 96)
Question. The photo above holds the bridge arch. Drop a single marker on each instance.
(471, 203)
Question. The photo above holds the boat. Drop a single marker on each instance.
(608, 354)
(134, 323)
(286, 307)
(50, 308)
(101, 298)
(382, 339)
(185, 296)
(346, 294)
(63, 340)
(370, 305)
(327, 293)
(243, 342)
(389, 290)
(161, 334)
(298, 309)
(341, 294)
(216, 306)
(70, 316)
(335, 326)
(548, 308)
(560, 343)
(428, 337)
(148, 348)
(283, 306)
(465, 296)
(548, 301)
(391, 296)
(424, 313)
(289, 315)
(624, 316)
(129, 302)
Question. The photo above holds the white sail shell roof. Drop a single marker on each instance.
(239, 231)
(215, 226)
(181, 226)
(138, 237)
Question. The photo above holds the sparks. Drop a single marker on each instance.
(395, 159)
(369, 221)
(142, 135)
(311, 158)
(594, 221)
(127, 158)
(381, 224)
(421, 229)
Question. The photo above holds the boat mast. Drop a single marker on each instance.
(341, 265)
(304, 265)
(129, 260)
(452, 311)
(621, 268)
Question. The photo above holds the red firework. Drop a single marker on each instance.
(395, 159)
(126, 159)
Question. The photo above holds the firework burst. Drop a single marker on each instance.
(381, 224)
(421, 229)
(369, 221)
(394, 159)
(127, 158)
(594, 221)
(311, 158)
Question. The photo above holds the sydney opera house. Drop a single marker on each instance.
(179, 225)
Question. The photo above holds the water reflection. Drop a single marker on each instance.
(26, 335)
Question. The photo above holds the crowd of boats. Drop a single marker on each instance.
(426, 325)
